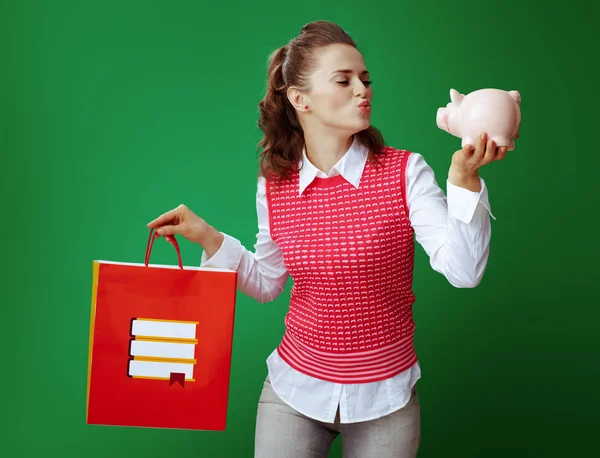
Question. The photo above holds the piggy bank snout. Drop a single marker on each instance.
(442, 118)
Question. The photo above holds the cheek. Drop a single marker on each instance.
(336, 101)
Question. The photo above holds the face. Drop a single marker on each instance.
(340, 93)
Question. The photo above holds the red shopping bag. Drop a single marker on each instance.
(160, 344)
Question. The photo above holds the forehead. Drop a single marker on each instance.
(339, 57)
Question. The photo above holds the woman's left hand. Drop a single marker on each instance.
(464, 171)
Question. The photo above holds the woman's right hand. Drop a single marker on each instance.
(183, 221)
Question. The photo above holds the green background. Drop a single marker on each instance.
(113, 112)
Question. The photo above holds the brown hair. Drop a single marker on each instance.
(283, 138)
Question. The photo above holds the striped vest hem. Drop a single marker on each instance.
(355, 367)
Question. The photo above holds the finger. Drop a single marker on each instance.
(501, 153)
(469, 149)
(163, 219)
(170, 230)
(490, 152)
(480, 147)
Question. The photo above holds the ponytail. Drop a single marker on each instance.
(283, 136)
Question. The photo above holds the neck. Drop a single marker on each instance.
(324, 150)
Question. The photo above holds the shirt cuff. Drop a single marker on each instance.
(462, 203)
(228, 255)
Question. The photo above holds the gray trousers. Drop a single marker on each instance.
(282, 432)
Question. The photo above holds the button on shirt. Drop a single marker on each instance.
(455, 233)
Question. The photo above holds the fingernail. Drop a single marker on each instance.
(483, 135)
(161, 231)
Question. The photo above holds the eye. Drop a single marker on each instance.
(367, 83)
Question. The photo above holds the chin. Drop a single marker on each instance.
(352, 126)
(360, 126)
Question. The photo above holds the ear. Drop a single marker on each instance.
(516, 95)
(456, 97)
(298, 100)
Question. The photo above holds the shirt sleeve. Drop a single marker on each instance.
(455, 231)
(261, 274)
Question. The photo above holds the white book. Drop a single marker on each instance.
(169, 350)
(160, 370)
(164, 329)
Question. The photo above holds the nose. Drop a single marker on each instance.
(360, 89)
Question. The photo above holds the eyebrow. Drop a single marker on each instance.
(364, 72)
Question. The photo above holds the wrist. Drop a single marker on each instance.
(211, 240)
(463, 179)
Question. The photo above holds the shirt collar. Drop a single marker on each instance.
(350, 166)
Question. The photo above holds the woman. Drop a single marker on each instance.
(337, 210)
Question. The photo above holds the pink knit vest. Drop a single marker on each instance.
(350, 254)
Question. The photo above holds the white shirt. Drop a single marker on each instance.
(454, 232)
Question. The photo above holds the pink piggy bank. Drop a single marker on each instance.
(493, 111)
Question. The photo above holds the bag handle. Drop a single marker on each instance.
(169, 238)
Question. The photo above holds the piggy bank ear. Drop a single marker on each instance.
(456, 97)
(515, 95)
